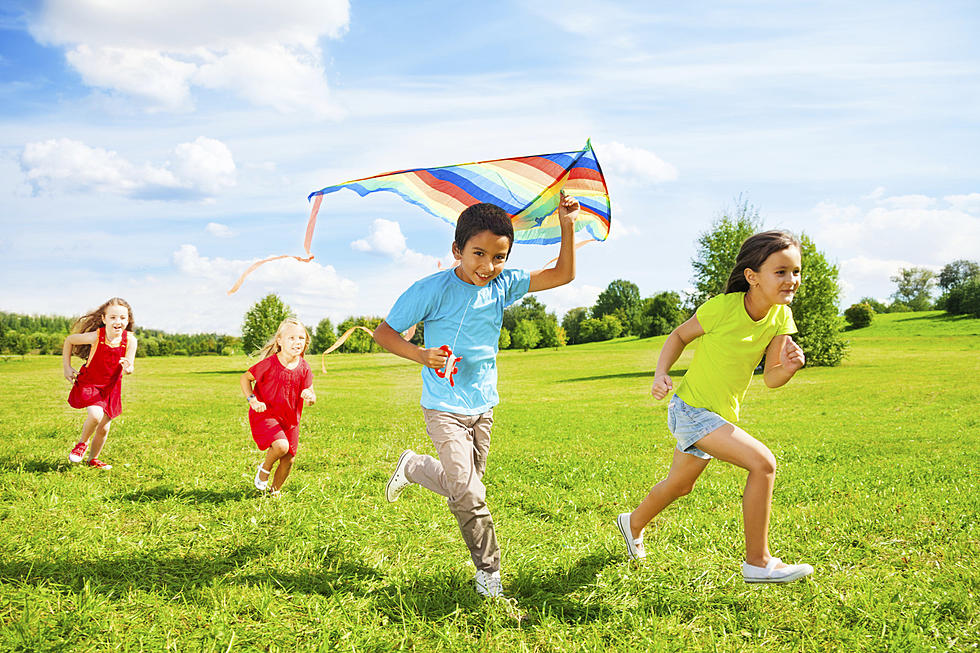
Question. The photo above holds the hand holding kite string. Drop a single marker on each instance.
(449, 368)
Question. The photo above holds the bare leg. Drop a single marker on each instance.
(94, 415)
(285, 466)
(101, 433)
(733, 445)
(277, 450)
(684, 471)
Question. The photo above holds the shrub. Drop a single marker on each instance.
(859, 315)
(503, 342)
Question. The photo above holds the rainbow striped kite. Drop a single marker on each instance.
(527, 187)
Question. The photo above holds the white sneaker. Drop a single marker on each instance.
(398, 480)
(488, 583)
(261, 485)
(634, 546)
(769, 574)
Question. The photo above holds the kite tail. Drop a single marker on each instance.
(310, 227)
(342, 339)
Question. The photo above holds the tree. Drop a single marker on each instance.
(262, 320)
(859, 315)
(525, 335)
(914, 285)
(503, 342)
(622, 299)
(876, 306)
(549, 330)
(359, 342)
(957, 273)
(529, 309)
(816, 308)
(323, 337)
(660, 314)
(718, 248)
(572, 322)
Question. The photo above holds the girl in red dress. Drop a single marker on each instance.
(282, 381)
(104, 338)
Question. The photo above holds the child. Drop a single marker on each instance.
(462, 309)
(752, 317)
(105, 340)
(283, 380)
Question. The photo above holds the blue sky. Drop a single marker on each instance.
(154, 153)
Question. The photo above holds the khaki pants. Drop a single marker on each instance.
(462, 443)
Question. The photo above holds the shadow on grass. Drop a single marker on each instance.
(164, 493)
(34, 466)
(218, 372)
(551, 594)
(625, 375)
(431, 597)
(172, 574)
(340, 571)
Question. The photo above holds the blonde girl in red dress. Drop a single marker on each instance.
(105, 340)
(275, 389)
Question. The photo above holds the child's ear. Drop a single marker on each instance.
(749, 276)
(456, 253)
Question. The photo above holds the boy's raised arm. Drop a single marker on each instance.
(564, 270)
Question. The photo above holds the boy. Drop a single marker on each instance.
(463, 309)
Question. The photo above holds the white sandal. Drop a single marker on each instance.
(769, 573)
(261, 485)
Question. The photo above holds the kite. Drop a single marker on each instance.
(528, 188)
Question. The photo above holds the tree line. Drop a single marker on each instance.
(45, 334)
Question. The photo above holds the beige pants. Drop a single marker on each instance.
(462, 443)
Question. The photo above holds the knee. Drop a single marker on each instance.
(764, 464)
(280, 447)
(679, 487)
(96, 413)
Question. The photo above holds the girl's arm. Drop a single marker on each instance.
(246, 382)
(392, 341)
(564, 270)
(73, 339)
(128, 361)
(308, 394)
(783, 358)
(678, 339)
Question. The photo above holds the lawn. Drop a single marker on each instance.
(877, 487)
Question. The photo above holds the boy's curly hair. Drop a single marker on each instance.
(483, 217)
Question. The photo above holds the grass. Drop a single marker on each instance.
(172, 550)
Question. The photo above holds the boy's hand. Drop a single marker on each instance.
(568, 208)
(791, 356)
(661, 386)
(434, 358)
(308, 395)
(256, 405)
(127, 367)
(70, 373)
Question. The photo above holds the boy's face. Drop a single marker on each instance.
(482, 258)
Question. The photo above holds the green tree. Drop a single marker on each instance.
(525, 335)
(323, 337)
(660, 314)
(876, 306)
(262, 320)
(718, 248)
(859, 315)
(359, 342)
(957, 273)
(622, 299)
(549, 330)
(913, 287)
(816, 308)
(572, 322)
(529, 309)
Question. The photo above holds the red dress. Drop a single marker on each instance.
(279, 389)
(99, 381)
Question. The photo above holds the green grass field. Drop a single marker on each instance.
(172, 550)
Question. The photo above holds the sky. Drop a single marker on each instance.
(153, 151)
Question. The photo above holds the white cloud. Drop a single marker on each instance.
(202, 168)
(386, 239)
(267, 52)
(969, 203)
(219, 230)
(907, 202)
(564, 298)
(634, 163)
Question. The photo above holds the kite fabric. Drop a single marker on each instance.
(528, 188)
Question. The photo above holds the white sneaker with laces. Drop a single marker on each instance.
(398, 481)
(634, 546)
(488, 583)
(261, 485)
(769, 573)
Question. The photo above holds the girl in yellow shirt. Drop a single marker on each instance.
(752, 317)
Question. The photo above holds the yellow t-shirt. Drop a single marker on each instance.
(728, 352)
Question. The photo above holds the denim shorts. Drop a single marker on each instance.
(690, 424)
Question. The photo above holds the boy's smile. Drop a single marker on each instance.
(482, 258)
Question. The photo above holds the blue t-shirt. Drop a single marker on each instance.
(467, 318)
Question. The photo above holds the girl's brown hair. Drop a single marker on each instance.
(754, 252)
(94, 320)
(272, 347)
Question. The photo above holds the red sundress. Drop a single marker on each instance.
(279, 389)
(99, 381)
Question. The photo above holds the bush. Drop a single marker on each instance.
(503, 342)
(876, 306)
(970, 303)
(899, 307)
(859, 315)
